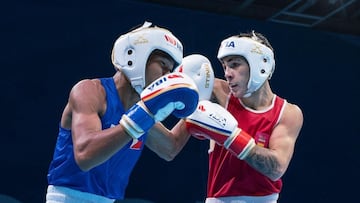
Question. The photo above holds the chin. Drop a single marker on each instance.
(237, 94)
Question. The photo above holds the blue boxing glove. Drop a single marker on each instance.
(174, 94)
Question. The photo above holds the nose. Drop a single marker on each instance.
(166, 69)
(227, 72)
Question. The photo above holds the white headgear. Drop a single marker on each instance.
(260, 58)
(132, 50)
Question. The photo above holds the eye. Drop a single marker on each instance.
(233, 64)
(162, 63)
(165, 66)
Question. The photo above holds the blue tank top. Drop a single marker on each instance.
(109, 179)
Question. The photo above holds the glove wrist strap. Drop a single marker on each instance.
(137, 121)
(240, 143)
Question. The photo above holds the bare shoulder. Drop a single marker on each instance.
(288, 129)
(220, 92)
(293, 117)
(87, 93)
(87, 85)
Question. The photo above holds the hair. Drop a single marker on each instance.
(257, 37)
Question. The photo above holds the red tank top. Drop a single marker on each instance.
(230, 176)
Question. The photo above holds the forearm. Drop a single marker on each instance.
(97, 147)
(264, 161)
(181, 136)
(165, 143)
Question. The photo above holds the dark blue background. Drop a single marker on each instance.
(47, 47)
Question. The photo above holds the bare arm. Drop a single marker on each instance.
(273, 162)
(92, 145)
(220, 92)
(165, 143)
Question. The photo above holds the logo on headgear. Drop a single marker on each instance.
(170, 40)
(173, 42)
(256, 49)
(230, 44)
(141, 40)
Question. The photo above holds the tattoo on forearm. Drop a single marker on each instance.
(264, 163)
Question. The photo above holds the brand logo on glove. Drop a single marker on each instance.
(215, 117)
(218, 119)
(201, 108)
(164, 79)
(207, 80)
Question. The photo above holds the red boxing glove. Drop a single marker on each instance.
(212, 121)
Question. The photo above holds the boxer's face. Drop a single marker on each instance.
(158, 65)
(237, 74)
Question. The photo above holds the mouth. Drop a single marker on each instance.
(232, 86)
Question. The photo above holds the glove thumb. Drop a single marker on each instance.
(164, 112)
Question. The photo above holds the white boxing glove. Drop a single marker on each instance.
(212, 121)
(199, 68)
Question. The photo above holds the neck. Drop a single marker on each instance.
(260, 99)
(126, 92)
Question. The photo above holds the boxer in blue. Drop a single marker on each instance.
(108, 121)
